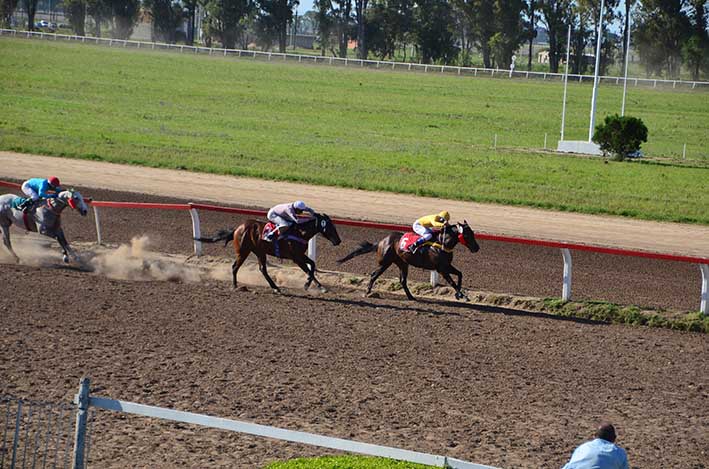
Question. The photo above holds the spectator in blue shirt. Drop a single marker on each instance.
(601, 453)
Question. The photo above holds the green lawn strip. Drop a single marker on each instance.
(392, 131)
(344, 462)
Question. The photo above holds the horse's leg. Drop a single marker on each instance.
(61, 239)
(403, 276)
(6, 241)
(375, 275)
(264, 271)
(459, 294)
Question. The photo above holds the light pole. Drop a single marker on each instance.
(625, 78)
(595, 73)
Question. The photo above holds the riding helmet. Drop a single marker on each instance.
(54, 181)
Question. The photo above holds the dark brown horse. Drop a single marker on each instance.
(430, 258)
(247, 239)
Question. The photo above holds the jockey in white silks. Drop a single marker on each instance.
(285, 216)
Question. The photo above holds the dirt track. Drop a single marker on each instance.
(626, 233)
(494, 386)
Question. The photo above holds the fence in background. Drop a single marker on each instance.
(84, 401)
(376, 64)
(565, 248)
(38, 434)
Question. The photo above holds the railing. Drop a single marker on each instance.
(362, 63)
(566, 248)
(84, 401)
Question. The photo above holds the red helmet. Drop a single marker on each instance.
(54, 181)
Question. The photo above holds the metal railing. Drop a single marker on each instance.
(362, 63)
(38, 434)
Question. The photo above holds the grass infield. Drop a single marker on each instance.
(424, 134)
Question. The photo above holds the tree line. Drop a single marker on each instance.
(667, 34)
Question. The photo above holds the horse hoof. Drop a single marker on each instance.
(323, 290)
(276, 291)
(306, 286)
(65, 258)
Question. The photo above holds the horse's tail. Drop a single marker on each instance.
(365, 247)
(222, 235)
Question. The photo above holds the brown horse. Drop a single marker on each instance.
(430, 258)
(247, 239)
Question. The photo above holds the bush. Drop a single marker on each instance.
(620, 136)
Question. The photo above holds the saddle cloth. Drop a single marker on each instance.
(17, 201)
(269, 227)
(406, 243)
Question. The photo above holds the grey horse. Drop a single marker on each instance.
(45, 219)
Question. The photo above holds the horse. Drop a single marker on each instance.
(44, 219)
(247, 238)
(389, 251)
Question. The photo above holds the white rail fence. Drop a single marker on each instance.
(362, 63)
(84, 402)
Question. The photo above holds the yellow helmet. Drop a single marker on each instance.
(445, 215)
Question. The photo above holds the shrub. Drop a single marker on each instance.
(620, 135)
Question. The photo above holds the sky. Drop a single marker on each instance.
(305, 6)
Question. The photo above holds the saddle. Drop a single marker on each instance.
(406, 243)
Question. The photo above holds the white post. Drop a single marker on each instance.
(594, 96)
(196, 232)
(313, 248)
(704, 304)
(98, 226)
(82, 402)
(566, 82)
(494, 145)
(545, 140)
(434, 278)
(566, 289)
(684, 151)
(625, 79)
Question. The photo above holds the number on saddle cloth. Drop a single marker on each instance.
(267, 229)
(408, 241)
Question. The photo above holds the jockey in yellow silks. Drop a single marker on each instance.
(427, 226)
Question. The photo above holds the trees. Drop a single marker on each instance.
(695, 50)
(620, 136)
(75, 11)
(662, 28)
(532, 14)
(7, 8)
(31, 9)
(272, 20)
(479, 16)
(336, 24)
(360, 21)
(226, 19)
(100, 11)
(166, 16)
(556, 16)
(388, 23)
(125, 15)
(433, 31)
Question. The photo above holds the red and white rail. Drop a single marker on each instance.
(566, 248)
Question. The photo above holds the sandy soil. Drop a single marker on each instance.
(391, 208)
(487, 384)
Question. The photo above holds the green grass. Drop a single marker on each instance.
(426, 134)
(344, 462)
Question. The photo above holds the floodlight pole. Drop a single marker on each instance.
(595, 73)
(566, 82)
(625, 78)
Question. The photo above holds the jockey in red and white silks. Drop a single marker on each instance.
(284, 216)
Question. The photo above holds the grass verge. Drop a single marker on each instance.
(344, 462)
(423, 134)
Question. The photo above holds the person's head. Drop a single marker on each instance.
(53, 181)
(606, 431)
(299, 206)
(445, 215)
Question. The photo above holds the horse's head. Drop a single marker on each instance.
(74, 200)
(327, 228)
(466, 236)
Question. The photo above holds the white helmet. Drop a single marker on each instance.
(299, 205)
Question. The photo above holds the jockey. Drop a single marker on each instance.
(425, 227)
(38, 188)
(285, 216)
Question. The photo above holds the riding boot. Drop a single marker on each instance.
(26, 206)
(272, 235)
(419, 242)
